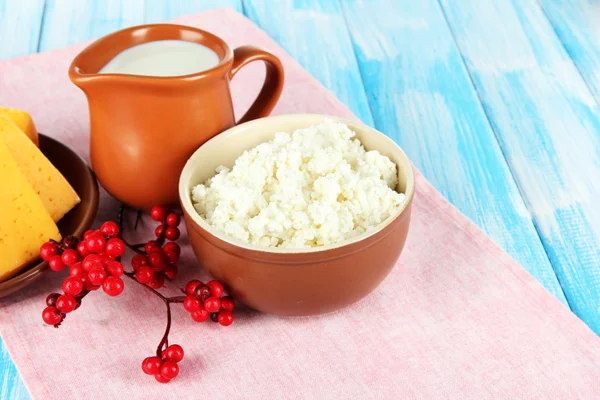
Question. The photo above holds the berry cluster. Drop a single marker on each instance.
(207, 300)
(93, 263)
(158, 261)
(164, 368)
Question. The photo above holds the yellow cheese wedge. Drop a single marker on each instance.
(23, 121)
(24, 222)
(57, 195)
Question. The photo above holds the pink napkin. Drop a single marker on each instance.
(457, 318)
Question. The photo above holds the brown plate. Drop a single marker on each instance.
(77, 221)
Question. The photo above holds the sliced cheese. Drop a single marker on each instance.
(57, 195)
(23, 121)
(24, 222)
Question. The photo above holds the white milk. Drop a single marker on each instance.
(163, 58)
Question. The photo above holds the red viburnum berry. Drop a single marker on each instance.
(91, 261)
(158, 213)
(82, 249)
(95, 242)
(51, 315)
(172, 233)
(97, 276)
(158, 280)
(191, 303)
(72, 286)
(87, 285)
(216, 288)
(66, 303)
(70, 257)
(173, 256)
(115, 268)
(151, 246)
(173, 220)
(76, 270)
(113, 286)
(212, 304)
(191, 286)
(115, 247)
(227, 303)
(158, 260)
(161, 378)
(225, 318)
(138, 260)
(169, 370)
(201, 315)
(174, 353)
(144, 274)
(170, 246)
(109, 229)
(56, 263)
(48, 250)
(151, 365)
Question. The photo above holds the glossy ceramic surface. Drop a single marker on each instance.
(294, 281)
(144, 128)
(76, 221)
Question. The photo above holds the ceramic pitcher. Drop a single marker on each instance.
(144, 128)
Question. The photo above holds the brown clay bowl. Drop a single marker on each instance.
(294, 281)
(76, 221)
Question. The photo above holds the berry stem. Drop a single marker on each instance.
(131, 276)
(165, 339)
(138, 218)
(164, 342)
(121, 223)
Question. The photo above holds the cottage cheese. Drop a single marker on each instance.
(314, 187)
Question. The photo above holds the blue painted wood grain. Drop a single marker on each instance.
(159, 10)
(300, 28)
(577, 23)
(20, 23)
(67, 22)
(421, 95)
(548, 125)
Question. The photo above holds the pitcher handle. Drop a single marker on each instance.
(271, 90)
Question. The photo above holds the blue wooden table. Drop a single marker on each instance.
(495, 101)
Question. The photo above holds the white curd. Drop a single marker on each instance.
(314, 187)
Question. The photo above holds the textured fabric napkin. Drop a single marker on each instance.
(456, 318)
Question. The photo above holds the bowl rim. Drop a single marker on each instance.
(188, 207)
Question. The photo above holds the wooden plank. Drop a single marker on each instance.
(421, 95)
(20, 23)
(11, 386)
(577, 23)
(160, 11)
(68, 22)
(299, 28)
(548, 125)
